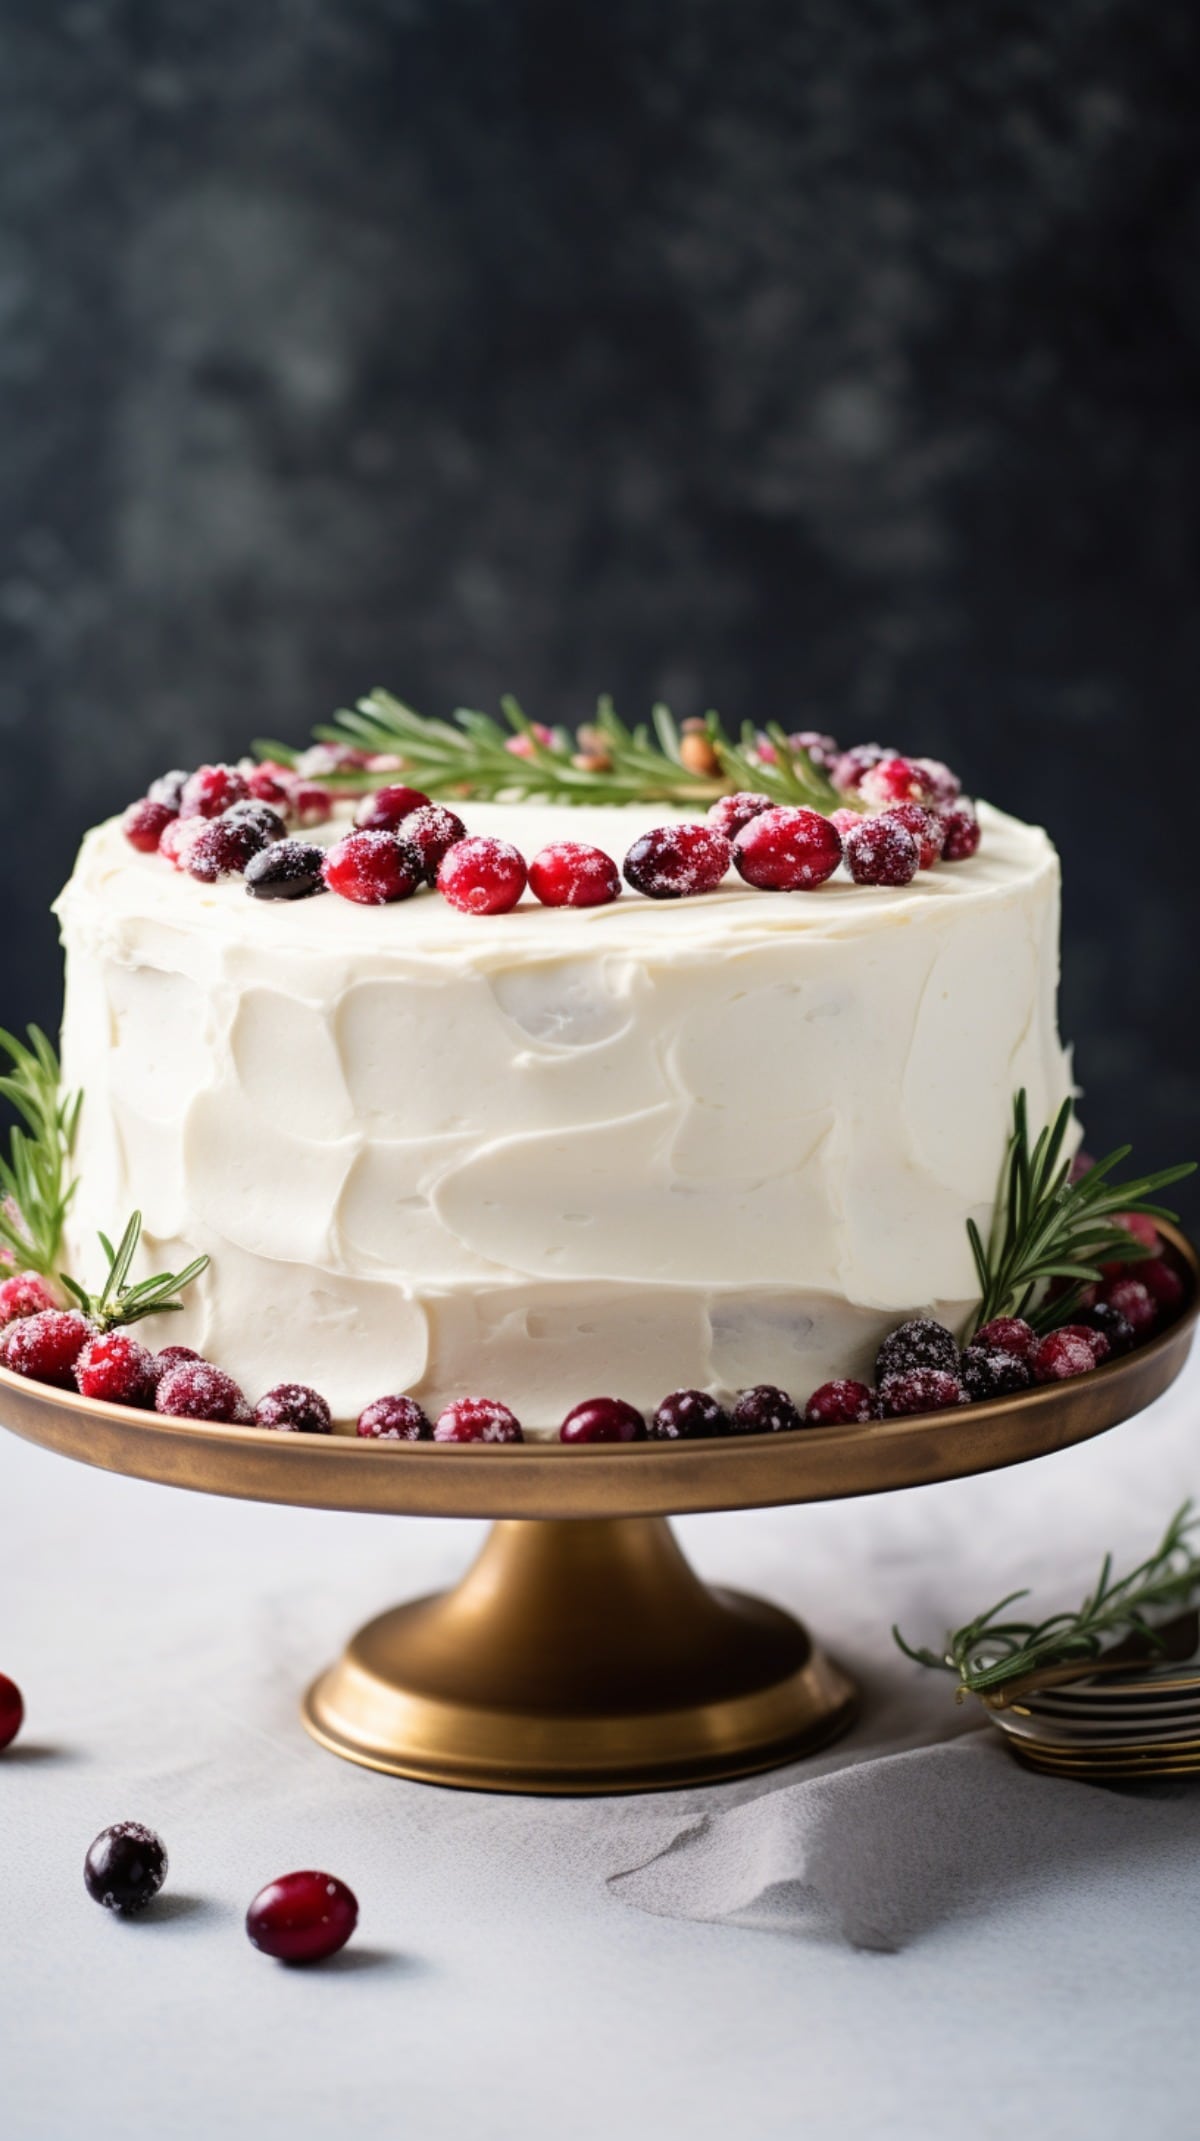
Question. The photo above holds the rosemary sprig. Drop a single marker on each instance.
(118, 1303)
(35, 1183)
(989, 1653)
(1047, 1227)
(651, 763)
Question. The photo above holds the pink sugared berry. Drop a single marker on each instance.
(603, 1420)
(1134, 1301)
(373, 869)
(849, 767)
(943, 785)
(689, 1415)
(170, 1357)
(1065, 1353)
(117, 1369)
(224, 847)
(917, 1390)
(294, 1409)
(1007, 1334)
(1141, 1228)
(482, 876)
(179, 838)
(764, 1410)
(302, 1917)
(433, 831)
(730, 812)
(168, 789)
(144, 824)
(12, 1710)
(571, 874)
(1162, 1280)
(842, 1403)
(310, 805)
(823, 750)
(962, 833)
(477, 1420)
(894, 780)
(210, 790)
(394, 1419)
(845, 821)
(786, 850)
(927, 827)
(46, 1347)
(676, 862)
(880, 852)
(25, 1294)
(388, 808)
(195, 1390)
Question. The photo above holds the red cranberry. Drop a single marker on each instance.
(1064, 1353)
(433, 831)
(823, 750)
(310, 805)
(24, 1295)
(387, 808)
(677, 861)
(962, 833)
(271, 783)
(1007, 1334)
(294, 1409)
(46, 1347)
(687, 1415)
(988, 1373)
(288, 870)
(1135, 1302)
(117, 1369)
(894, 780)
(170, 1357)
(764, 1410)
(917, 1390)
(168, 789)
(223, 848)
(179, 838)
(195, 1390)
(394, 1419)
(1143, 1231)
(12, 1710)
(1097, 1339)
(603, 1420)
(849, 767)
(373, 869)
(787, 850)
(841, 1403)
(145, 823)
(731, 812)
(919, 1343)
(481, 876)
(1162, 1280)
(943, 785)
(211, 790)
(125, 1867)
(571, 874)
(302, 1917)
(927, 827)
(477, 1420)
(1100, 1316)
(880, 852)
(845, 821)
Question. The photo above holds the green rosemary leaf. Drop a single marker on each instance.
(35, 1173)
(118, 1303)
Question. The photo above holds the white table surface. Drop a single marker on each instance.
(497, 1986)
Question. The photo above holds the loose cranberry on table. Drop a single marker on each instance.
(988, 1372)
(881, 852)
(195, 1390)
(144, 824)
(1065, 1353)
(294, 1409)
(842, 1403)
(289, 870)
(477, 1420)
(394, 1419)
(117, 1369)
(731, 812)
(689, 1415)
(927, 827)
(373, 869)
(962, 833)
(12, 1710)
(25, 1294)
(894, 780)
(433, 831)
(1134, 1300)
(917, 1343)
(917, 1390)
(764, 1410)
(388, 808)
(569, 873)
(786, 850)
(1007, 1334)
(46, 1347)
(211, 790)
(302, 1917)
(675, 862)
(603, 1420)
(125, 1867)
(479, 875)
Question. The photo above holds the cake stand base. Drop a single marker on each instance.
(579, 1657)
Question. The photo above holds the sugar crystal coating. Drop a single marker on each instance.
(764, 1410)
(786, 850)
(918, 1343)
(689, 1415)
(918, 1390)
(394, 1419)
(294, 1409)
(675, 862)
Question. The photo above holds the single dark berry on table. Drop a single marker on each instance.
(373, 869)
(603, 1420)
(849, 767)
(1161, 1279)
(842, 1403)
(988, 1373)
(675, 862)
(927, 827)
(1102, 1316)
(917, 1390)
(881, 852)
(117, 1369)
(482, 876)
(764, 1410)
(125, 1867)
(894, 780)
(302, 1917)
(571, 874)
(46, 1347)
(477, 1420)
(261, 816)
(1007, 1334)
(170, 1357)
(731, 812)
(786, 850)
(288, 870)
(195, 1390)
(145, 823)
(689, 1415)
(433, 831)
(211, 790)
(395, 1419)
(223, 848)
(388, 808)
(25, 1294)
(294, 1409)
(919, 1343)
(12, 1710)
(1064, 1353)
(168, 789)
(1135, 1302)
(962, 833)
(944, 786)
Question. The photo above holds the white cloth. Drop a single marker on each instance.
(979, 1950)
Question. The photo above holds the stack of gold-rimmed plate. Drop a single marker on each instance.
(1143, 1722)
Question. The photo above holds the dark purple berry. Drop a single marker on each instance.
(879, 851)
(302, 1917)
(1102, 1316)
(289, 870)
(676, 861)
(917, 1390)
(688, 1415)
(962, 833)
(261, 816)
(433, 831)
(294, 1409)
(603, 1420)
(125, 1867)
(764, 1410)
(919, 1343)
(395, 1419)
(995, 1374)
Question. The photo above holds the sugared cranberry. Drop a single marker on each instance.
(261, 816)
(223, 848)
(302, 1917)
(1007, 1334)
(117, 1369)
(990, 1373)
(394, 1419)
(675, 862)
(310, 805)
(168, 789)
(1142, 1230)
(927, 827)
(145, 823)
(195, 1390)
(688, 1415)
(323, 758)
(25, 1294)
(1101, 1316)
(731, 812)
(962, 833)
(894, 780)
(1097, 1339)
(845, 821)
(294, 1409)
(373, 869)
(1135, 1302)
(571, 874)
(823, 750)
(1162, 1280)
(171, 1357)
(211, 790)
(1064, 1353)
(881, 852)
(477, 1420)
(842, 1403)
(388, 808)
(764, 1410)
(46, 1347)
(179, 838)
(289, 870)
(125, 1867)
(271, 783)
(943, 785)
(433, 831)
(919, 1343)
(12, 1710)
(481, 876)
(917, 1390)
(787, 850)
(603, 1420)
(849, 767)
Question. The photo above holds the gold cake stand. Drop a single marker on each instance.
(581, 1654)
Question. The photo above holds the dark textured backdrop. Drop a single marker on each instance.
(831, 362)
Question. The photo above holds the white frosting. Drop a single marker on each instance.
(707, 1142)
